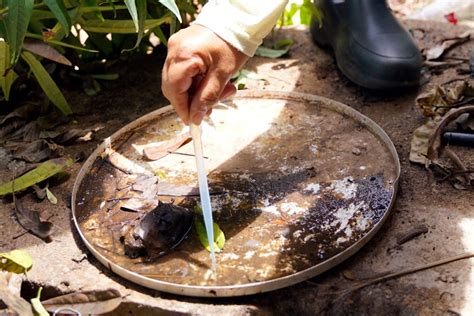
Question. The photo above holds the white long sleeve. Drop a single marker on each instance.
(241, 23)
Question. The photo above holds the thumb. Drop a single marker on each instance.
(207, 95)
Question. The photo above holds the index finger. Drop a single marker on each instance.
(177, 81)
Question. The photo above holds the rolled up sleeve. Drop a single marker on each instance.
(241, 23)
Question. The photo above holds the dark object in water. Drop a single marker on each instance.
(159, 231)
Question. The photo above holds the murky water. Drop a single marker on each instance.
(293, 186)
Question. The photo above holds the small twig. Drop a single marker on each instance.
(457, 161)
(412, 233)
(184, 154)
(456, 58)
(454, 80)
(388, 276)
(18, 236)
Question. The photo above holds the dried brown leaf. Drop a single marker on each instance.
(27, 111)
(139, 205)
(14, 302)
(44, 50)
(439, 100)
(162, 149)
(420, 141)
(439, 49)
(87, 302)
(124, 164)
(30, 220)
(33, 152)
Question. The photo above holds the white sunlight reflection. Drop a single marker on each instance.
(467, 228)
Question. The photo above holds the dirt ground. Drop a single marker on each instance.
(64, 265)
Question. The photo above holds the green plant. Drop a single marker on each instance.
(33, 31)
(300, 12)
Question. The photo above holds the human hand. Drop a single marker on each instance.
(197, 71)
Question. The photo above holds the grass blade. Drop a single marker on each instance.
(47, 84)
(142, 13)
(59, 43)
(59, 11)
(132, 9)
(120, 26)
(171, 5)
(93, 4)
(42, 172)
(16, 22)
(7, 75)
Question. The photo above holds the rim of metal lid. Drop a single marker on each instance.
(250, 288)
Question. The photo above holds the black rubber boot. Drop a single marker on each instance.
(372, 49)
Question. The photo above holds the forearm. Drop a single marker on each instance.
(241, 23)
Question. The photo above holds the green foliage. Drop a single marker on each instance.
(300, 13)
(16, 261)
(83, 31)
(44, 171)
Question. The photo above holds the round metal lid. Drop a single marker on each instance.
(299, 183)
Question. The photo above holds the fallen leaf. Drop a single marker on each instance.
(271, 52)
(16, 261)
(420, 141)
(159, 150)
(27, 111)
(44, 171)
(438, 50)
(30, 221)
(240, 78)
(439, 100)
(37, 306)
(36, 151)
(143, 183)
(51, 197)
(44, 50)
(124, 164)
(139, 205)
(86, 137)
(26, 133)
(87, 302)
(219, 237)
(69, 136)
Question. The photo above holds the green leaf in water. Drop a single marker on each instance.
(219, 237)
(16, 261)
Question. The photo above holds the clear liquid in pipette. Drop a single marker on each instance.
(204, 191)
